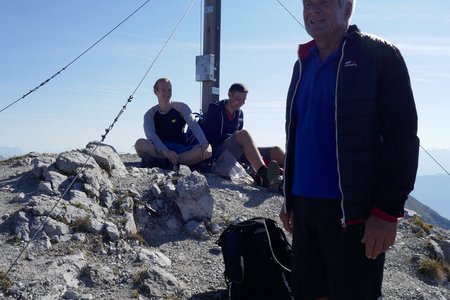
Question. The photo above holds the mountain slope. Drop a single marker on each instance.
(428, 215)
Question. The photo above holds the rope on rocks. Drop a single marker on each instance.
(96, 146)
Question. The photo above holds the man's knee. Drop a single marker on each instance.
(143, 146)
(139, 144)
(277, 151)
(243, 136)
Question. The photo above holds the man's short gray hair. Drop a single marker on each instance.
(352, 2)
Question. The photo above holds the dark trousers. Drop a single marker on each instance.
(328, 259)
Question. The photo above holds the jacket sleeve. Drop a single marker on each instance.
(211, 124)
(187, 115)
(150, 131)
(290, 140)
(399, 141)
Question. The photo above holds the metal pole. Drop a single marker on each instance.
(211, 45)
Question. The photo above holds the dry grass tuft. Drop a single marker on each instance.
(432, 268)
(421, 223)
(6, 283)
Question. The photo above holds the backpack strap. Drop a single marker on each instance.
(264, 222)
(272, 226)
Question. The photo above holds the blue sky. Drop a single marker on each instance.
(259, 41)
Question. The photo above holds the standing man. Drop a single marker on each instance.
(223, 127)
(164, 126)
(351, 155)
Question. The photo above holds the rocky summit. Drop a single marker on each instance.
(92, 224)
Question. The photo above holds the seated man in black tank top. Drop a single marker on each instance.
(164, 126)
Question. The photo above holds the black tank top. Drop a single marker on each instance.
(170, 126)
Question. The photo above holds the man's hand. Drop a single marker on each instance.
(172, 156)
(287, 219)
(206, 151)
(379, 235)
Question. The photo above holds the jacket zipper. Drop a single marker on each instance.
(336, 132)
(290, 121)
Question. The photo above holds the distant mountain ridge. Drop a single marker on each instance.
(427, 166)
(427, 214)
(6, 152)
(434, 191)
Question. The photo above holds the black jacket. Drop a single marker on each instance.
(216, 125)
(376, 127)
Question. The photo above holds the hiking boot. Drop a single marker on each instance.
(203, 167)
(147, 162)
(152, 162)
(272, 180)
(268, 177)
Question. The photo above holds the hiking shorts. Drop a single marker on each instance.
(231, 144)
(178, 147)
(329, 260)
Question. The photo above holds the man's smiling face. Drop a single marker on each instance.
(325, 18)
(237, 99)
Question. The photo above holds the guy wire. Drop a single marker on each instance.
(97, 145)
(74, 60)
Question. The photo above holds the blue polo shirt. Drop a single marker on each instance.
(316, 168)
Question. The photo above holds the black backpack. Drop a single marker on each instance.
(189, 135)
(257, 259)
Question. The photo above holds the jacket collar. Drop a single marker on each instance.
(303, 49)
